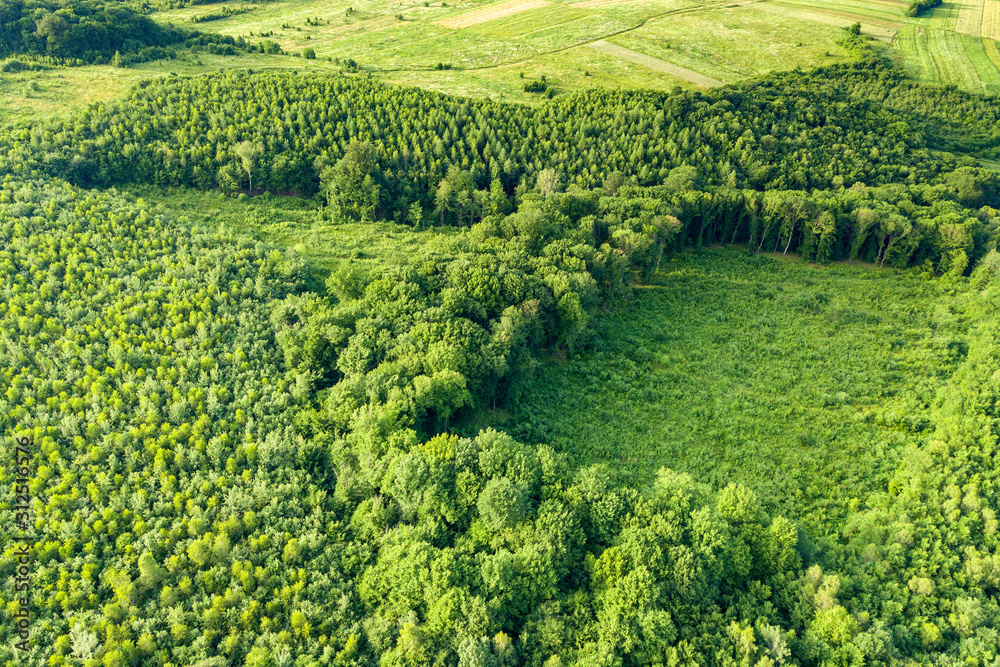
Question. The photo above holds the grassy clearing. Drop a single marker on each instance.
(296, 224)
(29, 96)
(693, 371)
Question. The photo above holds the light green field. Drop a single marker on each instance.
(492, 43)
(488, 46)
(296, 224)
(691, 372)
(735, 43)
(947, 58)
(28, 96)
(929, 48)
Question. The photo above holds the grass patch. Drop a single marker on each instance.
(730, 44)
(297, 224)
(802, 382)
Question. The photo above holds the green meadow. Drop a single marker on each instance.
(692, 371)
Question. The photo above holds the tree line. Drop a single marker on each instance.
(791, 131)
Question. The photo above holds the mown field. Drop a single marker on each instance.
(678, 42)
(692, 372)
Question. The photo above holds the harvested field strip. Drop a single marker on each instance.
(655, 64)
(992, 52)
(867, 27)
(855, 9)
(919, 63)
(951, 54)
(991, 20)
(970, 17)
(492, 12)
(517, 26)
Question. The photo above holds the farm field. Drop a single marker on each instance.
(949, 58)
(489, 49)
(716, 41)
(691, 372)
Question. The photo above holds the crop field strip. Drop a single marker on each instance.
(919, 62)
(992, 52)
(942, 17)
(990, 27)
(949, 58)
(970, 17)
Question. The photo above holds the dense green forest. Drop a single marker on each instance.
(233, 469)
(93, 31)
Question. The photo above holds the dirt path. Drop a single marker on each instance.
(655, 64)
(475, 17)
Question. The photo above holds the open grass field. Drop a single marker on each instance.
(692, 371)
(492, 13)
(296, 224)
(27, 96)
(733, 43)
(877, 28)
